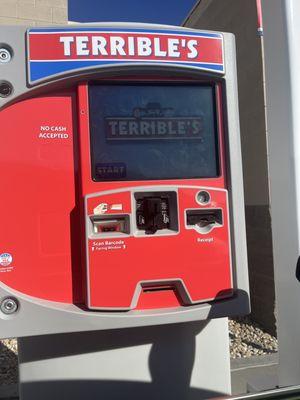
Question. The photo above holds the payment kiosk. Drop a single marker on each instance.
(122, 200)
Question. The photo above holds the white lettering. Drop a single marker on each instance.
(53, 135)
(205, 240)
(193, 53)
(67, 40)
(173, 48)
(81, 46)
(129, 46)
(131, 50)
(144, 46)
(99, 46)
(117, 46)
(157, 50)
(58, 128)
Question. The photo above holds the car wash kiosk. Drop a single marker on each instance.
(122, 214)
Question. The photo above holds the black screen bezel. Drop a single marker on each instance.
(95, 178)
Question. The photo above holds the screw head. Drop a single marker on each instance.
(6, 89)
(5, 55)
(9, 305)
(203, 197)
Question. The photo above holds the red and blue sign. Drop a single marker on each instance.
(53, 52)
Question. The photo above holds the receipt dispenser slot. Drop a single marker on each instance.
(204, 220)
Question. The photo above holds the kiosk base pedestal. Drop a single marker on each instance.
(182, 361)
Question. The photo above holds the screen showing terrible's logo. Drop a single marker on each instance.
(143, 132)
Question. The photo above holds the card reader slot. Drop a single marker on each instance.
(156, 212)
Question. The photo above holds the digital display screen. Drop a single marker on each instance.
(153, 132)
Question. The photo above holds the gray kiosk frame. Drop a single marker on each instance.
(37, 317)
(180, 353)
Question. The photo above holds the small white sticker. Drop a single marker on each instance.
(101, 209)
(5, 259)
(116, 207)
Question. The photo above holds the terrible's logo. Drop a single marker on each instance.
(154, 122)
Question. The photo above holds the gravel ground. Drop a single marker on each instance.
(8, 362)
(246, 339)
